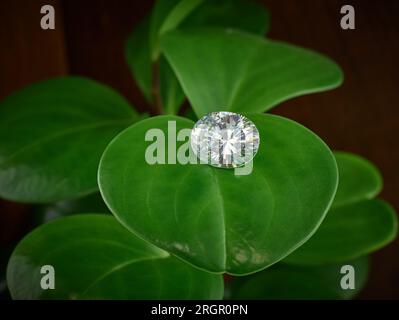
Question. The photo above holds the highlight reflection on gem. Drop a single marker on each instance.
(225, 139)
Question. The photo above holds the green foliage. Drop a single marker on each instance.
(94, 257)
(356, 224)
(143, 48)
(242, 15)
(212, 218)
(229, 70)
(289, 282)
(358, 179)
(52, 135)
(196, 218)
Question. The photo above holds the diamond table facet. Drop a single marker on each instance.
(224, 139)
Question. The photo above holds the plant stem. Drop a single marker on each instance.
(155, 88)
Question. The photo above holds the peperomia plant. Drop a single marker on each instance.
(176, 228)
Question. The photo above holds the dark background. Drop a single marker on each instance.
(361, 116)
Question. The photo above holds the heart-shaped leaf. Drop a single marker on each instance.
(294, 282)
(94, 257)
(355, 225)
(210, 217)
(234, 71)
(52, 135)
(143, 45)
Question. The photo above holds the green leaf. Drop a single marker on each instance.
(172, 95)
(212, 218)
(248, 16)
(143, 45)
(138, 56)
(159, 13)
(358, 179)
(230, 70)
(94, 257)
(355, 225)
(91, 203)
(349, 232)
(52, 135)
(175, 17)
(292, 282)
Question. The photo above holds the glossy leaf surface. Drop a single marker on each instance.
(52, 135)
(359, 179)
(226, 70)
(356, 224)
(143, 45)
(211, 217)
(94, 257)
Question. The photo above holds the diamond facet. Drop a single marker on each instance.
(224, 139)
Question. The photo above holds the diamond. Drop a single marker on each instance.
(224, 139)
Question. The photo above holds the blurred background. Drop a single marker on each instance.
(362, 116)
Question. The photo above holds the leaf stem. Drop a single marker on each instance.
(155, 88)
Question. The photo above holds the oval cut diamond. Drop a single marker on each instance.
(224, 139)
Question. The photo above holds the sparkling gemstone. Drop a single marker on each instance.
(224, 139)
